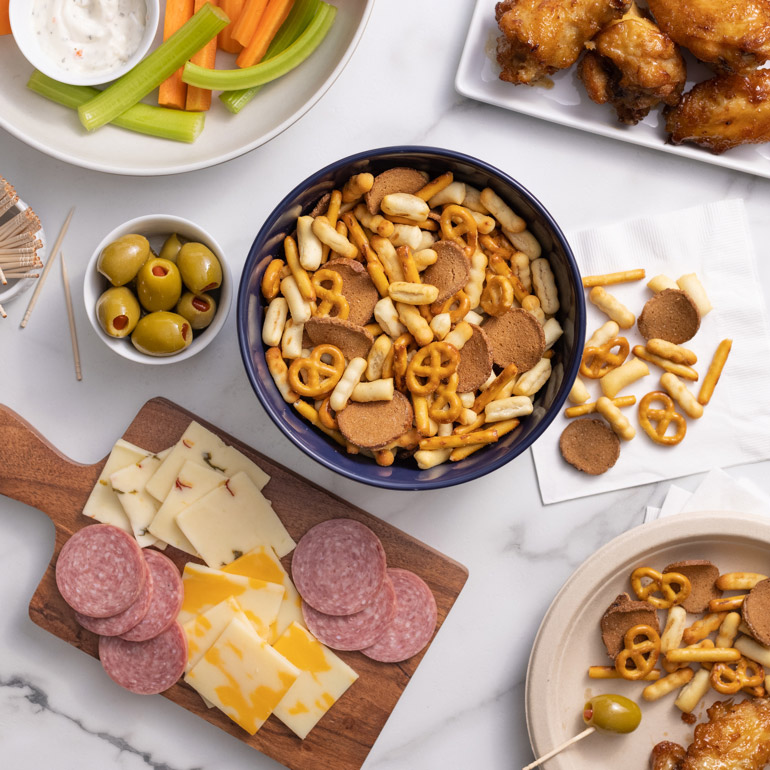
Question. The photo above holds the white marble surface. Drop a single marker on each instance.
(57, 709)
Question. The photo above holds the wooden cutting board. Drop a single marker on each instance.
(34, 472)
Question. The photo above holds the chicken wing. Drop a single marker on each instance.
(736, 737)
(732, 35)
(723, 112)
(634, 66)
(543, 36)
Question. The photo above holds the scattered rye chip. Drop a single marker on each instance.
(515, 338)
(353, 340)
(622, 614)
(590, 445)
(394, 180)
(475, 361)
(375, 424)
(669, 315)
(449, 273)
(702, 575)
(357, 288)
(756, 612)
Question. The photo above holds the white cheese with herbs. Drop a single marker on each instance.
(129, 485)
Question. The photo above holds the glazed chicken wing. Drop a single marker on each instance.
(543, 36)
(732, 35)
(634, 66)
(724, 112)
(736, 737)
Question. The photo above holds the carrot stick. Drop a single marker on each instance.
(173, 92)
(199, 99)
(5, 22)
(244, 28)
(275, 14)
(226, 40)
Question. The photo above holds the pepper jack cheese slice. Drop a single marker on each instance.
(140, 507)
(103, 504)
(204, 629)
(205, 587)
(262, 563)
(243, 675)
(230, 521)
(323, 680)
(229, 461)
(195, 444)
(193, 482)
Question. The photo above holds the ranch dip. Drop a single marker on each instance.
(89, 36)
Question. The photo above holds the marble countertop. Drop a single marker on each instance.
(465, 706)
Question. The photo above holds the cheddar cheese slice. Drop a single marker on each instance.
(204, 629)
(243, 675)
(230, 461)
(323, 680)
(139, 506)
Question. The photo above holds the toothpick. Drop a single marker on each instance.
(3, 313)
(71, 316)
(561, 748)
(47, 267)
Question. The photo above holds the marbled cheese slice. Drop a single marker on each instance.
(129, 485)
(243, 675)
(205, 587)
(230, 521)
(323, 680)
(204, 629)
(261, 562)
(193, 482)
(229, 460)
(195, 444)
(103, 504)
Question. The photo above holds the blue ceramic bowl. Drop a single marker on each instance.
(405, 475)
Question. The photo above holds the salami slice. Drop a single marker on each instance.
(361, 629)
(338, 566)
(100, 571)
(145, 668)
(415, 620)
(167, 596)
(118, 624)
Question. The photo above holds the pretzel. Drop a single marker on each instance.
(612, 306)
(332, 214)
(291, 342)
(674, 353)
(703, 655)
(660, 583)
(727, 603)
(271, 279)
(435, 186)
(275, 319)
(278, 369)
(694, 691)
(301, 277)
(530, 382)
(501, 429)
(496, 388)
(660, 283)
(313, 377)
(686, 372)
(400, 352)
(376, 357)
(339, 397)
(356, 186)
(729, 680)
(617, 420)
(431, 364)
(507, 408)
(457, 306)
(374, 222)
(425, 426)
(359, 238)
(410, 207)
(457, 222)
(701, 628)
(600, 360)
(441, 324)
(714, 371)
(728, 630)
(417, 326)
(300, 309)
(446, 405)
(667, 684)
(608, 279)
(501, 211)
(488, 436)
(375, 390)
(655, 422)
(693, 288)
(310, 249)
(337, 242)
(739, 581)
(386, 315)
(631, 371)
(311, 415)
(590, 408)
(331, 297)
(413, 293)
(544, 285)
(677, 390)
(497, 297)
(610, 672)
(643, 654)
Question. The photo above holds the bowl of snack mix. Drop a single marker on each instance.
(411, 317)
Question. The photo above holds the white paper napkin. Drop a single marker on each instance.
(713, 242)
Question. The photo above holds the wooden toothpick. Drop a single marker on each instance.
(561, 748)
(71, 316)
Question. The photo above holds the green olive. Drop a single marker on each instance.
(198, 309)
(158, 284)
(170, 248)
(614, 713)
(118, 311)
(199, 267)
(162, 334)
(120, 260)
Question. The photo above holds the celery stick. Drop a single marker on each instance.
(168, 57)
(269, 69)
(300, 16)
(143, 118)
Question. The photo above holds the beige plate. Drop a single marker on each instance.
(569, 640)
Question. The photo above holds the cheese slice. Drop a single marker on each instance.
(230, 521)
(139, 506)
(204, 629)
(205, 587)
(192, 483)
(103, 504)
(323, 680)
(195, 444)
(230, 461)
(261, 562)
(243, 675)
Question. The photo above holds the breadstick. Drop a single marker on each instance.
(714, 371)
(631, 371)
(677, 390)
(617, 420)
(578, 393)
(611, 278)
(612, 307)
(375, 390)
(667, 684)
(685, 372)
(660, 283)
(693, 288)
(675, 353)
(606, 332)
(694, 691)
(590, 408)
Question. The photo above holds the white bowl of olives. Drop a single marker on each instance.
(157, 289)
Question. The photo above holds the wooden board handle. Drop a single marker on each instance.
(34, 472)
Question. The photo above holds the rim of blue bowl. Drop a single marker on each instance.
(360, 472)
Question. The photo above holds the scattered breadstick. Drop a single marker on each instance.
(617, 420)
(631, 371)
(611, 278)
(606, 332)
(700, 629)
(612, 307)
(714, 371)
(610, 672)
(703, 655)
(693, 288)
(660, 283)
(726, 603)
(487, 436)
(685, 372)
(739, 581)
(728, 630)
(677, 390)
(590, 408)
(753, 650)
(667, 684)
(674, 353)
(578, 394)
(692, 694)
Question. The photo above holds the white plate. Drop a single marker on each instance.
(55, 130)
(568, 104)
(569, 639)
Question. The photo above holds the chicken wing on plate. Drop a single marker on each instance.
(723, 112)
(732, 35)
(543, 36)
(736, 737)
(634, 66)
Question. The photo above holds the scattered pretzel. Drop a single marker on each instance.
(457, 306)
(729, 680)
(643, 654)
(312, 376)
(655, 422)
(446, 405)
(331, 297)
(497, 297)
(600, 360)
(662, 583)
(466, 226)
(433, 363)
